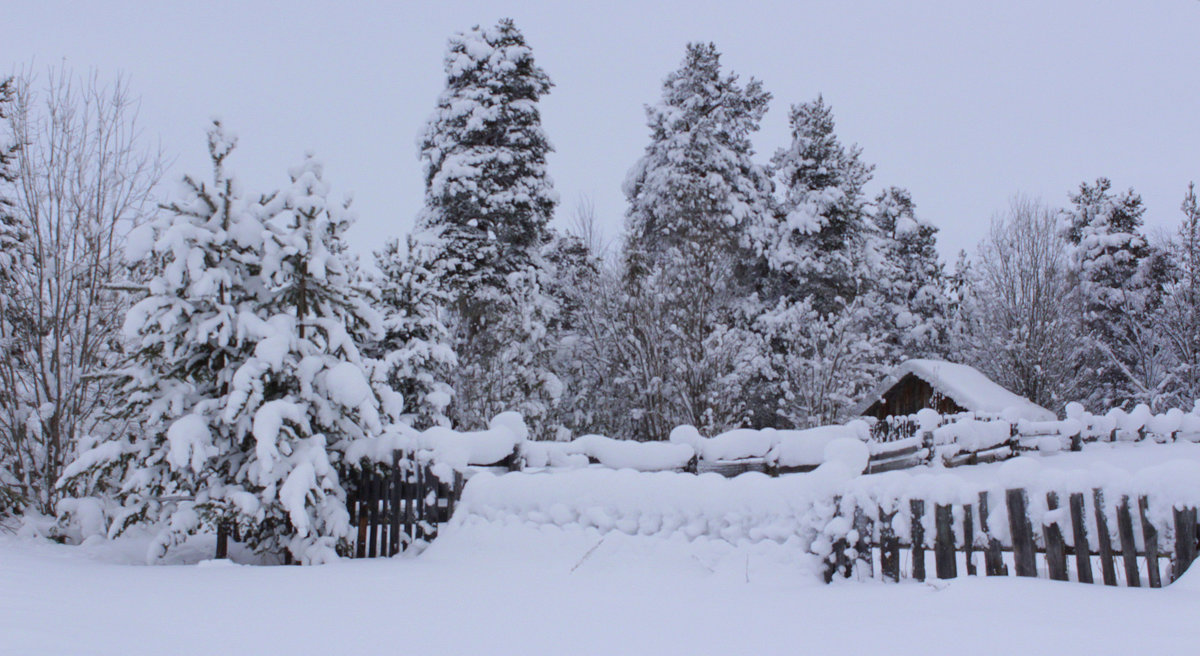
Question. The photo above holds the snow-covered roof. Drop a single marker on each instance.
(964, 385)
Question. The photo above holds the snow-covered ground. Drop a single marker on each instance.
(495, 589)
(512, 587)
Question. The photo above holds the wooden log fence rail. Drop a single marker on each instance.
(1067, 542)
(393, 506)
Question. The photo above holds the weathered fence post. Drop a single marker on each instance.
(410, 510)
(917, 507)
(1056, 550)
(397, 503)
(863, 525)
(969, 539)
(373, 529)
(943, 545)
(1185, 541)
(1128, 544)
(889, 547)
(1083, 553)
(1150, 537)
(432, 511)
(1022, 533)
(837, 561)
(222, 540)
(1107, 568)
(362, 494)
(993, 558)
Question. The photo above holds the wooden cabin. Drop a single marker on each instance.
(948, 388)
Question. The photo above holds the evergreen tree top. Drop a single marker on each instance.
(816, 159)
(488, 197)
(1099, 211)
(701, 104)
(697, 179)
(497, 58)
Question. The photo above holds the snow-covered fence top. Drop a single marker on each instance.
(502, 440)
(896, 443)
(687, 450)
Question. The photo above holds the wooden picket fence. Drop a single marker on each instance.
(398, 504)
(1031, 551)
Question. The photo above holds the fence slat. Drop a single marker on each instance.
(865, 528)
(409, 504)
(1056, 548)
(943, 545)
(1107, 567)
(1022, 533)
(1128, 544)
(917, 507)
(1083, 556)
(360, 549)
(993, 558)
(1185, 541)
(373, 522)
(969, 539)
(837, 561)
(429, 501)
(889, 547)
(397, 502)
(385, 514)
(1150, 537)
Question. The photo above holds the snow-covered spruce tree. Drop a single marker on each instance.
(307, 393)
(487, 202)
(246, 378)
(817, 265)
(179, 461)
(415, 350)
(911, 278)
(1120, 282)
(690, 197)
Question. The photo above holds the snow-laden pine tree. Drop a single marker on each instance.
(1120, 280)
(415, 351)
(911, 278)
(690, 196)
(488, 199)
(817, 262)
(697, 185)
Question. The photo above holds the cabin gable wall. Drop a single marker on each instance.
(909, 395)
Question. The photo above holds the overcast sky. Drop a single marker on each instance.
(963, 103)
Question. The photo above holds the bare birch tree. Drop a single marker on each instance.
(1019, 322)
(80, 180)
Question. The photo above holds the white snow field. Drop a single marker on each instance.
(503, 584)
